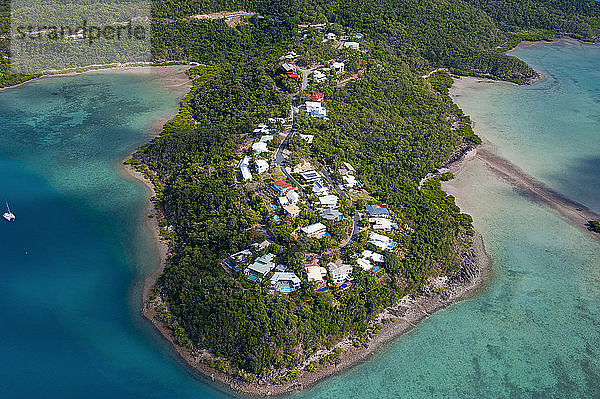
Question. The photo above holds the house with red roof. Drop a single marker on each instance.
(282, 187)
(317, 96)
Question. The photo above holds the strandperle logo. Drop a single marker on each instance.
(55, 35)
(90, 34)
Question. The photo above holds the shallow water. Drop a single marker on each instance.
(535, 330)
(71, 324)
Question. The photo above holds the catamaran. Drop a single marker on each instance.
(8, 215)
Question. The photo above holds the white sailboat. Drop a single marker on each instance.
(8, 215)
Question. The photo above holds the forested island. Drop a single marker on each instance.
(298, 187)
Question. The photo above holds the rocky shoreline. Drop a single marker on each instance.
(392, 322)
(396, 320)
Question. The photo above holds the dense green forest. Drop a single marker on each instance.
(393, 125)
(213, 218)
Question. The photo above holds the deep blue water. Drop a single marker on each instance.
(69, 264)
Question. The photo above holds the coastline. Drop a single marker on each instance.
(99, 68)
(521, 182)
(471, 278)
(474, 273)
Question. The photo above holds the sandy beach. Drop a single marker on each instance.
(170, 71)
(521, 182)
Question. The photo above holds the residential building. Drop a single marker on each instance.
(292, 210)
(281, 186)
(262, 128)
(330, 36)
(381, 223)
(314, 108)
(242, 255)
(364, 264)
(289, 56)
(329, 201)
(352, 45)
(245, 169)
(260, 147)
(349, 181)
(288, 68)
(377, 211)
(319, 76)
(319, 188)
(370, 260)
(332, 214)
(315, 230)
(261, 266)
(285, 282)
(283, 201)
(382, 242)
(281, 268)
(341, 273)
(292, 196)
(359, 36)
(338, 67)
(373, 256)
(261, 166)
(310, 176)
(316, 273)
(266, 138)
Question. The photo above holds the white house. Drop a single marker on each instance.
(285, 282)
(262, 128)
(329, 201)
(283, 201)
(330, 36)
(364, 264)
(260, 147)
(316, 273)
(292, 196)
(289, 56)
(380, 223)
(319, 76)
(266, 138)
(315, 108)
(340, 274)
(382, 242)
(314, 230)
(261, 166)
(287, 67)
(373, 256)
(338, 67)
(350, 181)
(352, 45)
(245, 168)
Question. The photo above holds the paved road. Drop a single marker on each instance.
(280, 160)
(355, 230)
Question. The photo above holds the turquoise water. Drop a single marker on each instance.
(535, 331)
(72, 260)
(68, 301)
(550, 129)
